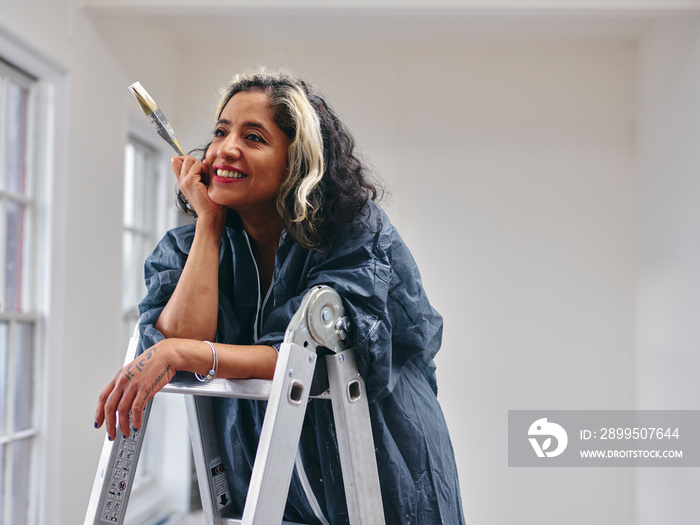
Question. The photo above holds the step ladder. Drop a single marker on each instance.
(319, 326)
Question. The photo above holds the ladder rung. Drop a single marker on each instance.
(239, 388)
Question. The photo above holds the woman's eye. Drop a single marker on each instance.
(254, 137)
(219, 132)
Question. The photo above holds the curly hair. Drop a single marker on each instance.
(327, 185)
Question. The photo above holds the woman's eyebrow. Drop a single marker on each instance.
(249, 124)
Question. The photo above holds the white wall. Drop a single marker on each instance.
(519, 196)
(668, 313)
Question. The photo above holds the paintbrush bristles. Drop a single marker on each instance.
(144, 99)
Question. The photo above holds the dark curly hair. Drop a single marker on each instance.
(327, 184)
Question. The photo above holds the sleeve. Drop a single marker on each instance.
(162, 271)
(392, 320)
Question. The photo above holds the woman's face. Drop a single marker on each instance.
(248, 155)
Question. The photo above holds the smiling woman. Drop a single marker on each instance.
(284, 205)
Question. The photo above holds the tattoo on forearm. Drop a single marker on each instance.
(147, 396)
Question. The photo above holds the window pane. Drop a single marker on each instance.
(138, 288)
(24, 375)
(17, 98)
(148, 191)
(3, 452)
(20, 481)
(129, 181)
(127, 261)
(140, 184)
(3, 379)
(13, 257)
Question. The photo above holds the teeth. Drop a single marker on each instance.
(230, 174)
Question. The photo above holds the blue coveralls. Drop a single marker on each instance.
(396, 332)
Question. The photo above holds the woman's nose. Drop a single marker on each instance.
(229, 148)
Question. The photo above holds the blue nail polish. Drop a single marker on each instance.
(95, 424)
(109, 437)
(135, 429)
(124, 436)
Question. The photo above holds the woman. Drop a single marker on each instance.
(283, 204)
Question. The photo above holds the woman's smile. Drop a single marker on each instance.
(226, 174)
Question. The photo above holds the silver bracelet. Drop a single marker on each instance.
(214, 367)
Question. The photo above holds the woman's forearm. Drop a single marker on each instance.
(192, 311)
(234, 361)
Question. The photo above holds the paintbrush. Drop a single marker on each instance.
(155, 115)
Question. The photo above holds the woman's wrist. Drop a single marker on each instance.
(189, 355)
(211, 223)
(176, 352)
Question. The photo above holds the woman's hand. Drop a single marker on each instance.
(193, 180)
(132, 388)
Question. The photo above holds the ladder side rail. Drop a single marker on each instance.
(355, 443)
(274, 460)
(117, 465)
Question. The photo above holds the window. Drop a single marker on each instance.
(20, 319)
(142, 224)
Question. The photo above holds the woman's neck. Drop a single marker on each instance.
(265, 234)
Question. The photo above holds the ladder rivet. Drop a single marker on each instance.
(291, 373)
(311, 358)
(326, 314)
(341, 358)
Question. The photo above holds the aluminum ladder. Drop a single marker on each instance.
(319, 323)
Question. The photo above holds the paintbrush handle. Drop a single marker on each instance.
(165, 130)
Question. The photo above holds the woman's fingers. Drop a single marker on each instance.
(205, 173)
(110, 402)
(124, 408)
(130, 391)
(101, 401)
(193, 180)
(107, 411)
(188, 170)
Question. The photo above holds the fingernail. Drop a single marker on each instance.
(135, 429)
(124, 436)
(109, 437)
(95, 424)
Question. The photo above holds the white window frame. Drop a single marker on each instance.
(29, 312)
(45, 83)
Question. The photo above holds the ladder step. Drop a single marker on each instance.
(258, 389)
(240, 388)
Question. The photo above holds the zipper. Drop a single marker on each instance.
(257, 273)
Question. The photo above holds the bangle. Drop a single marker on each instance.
(214, 366)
